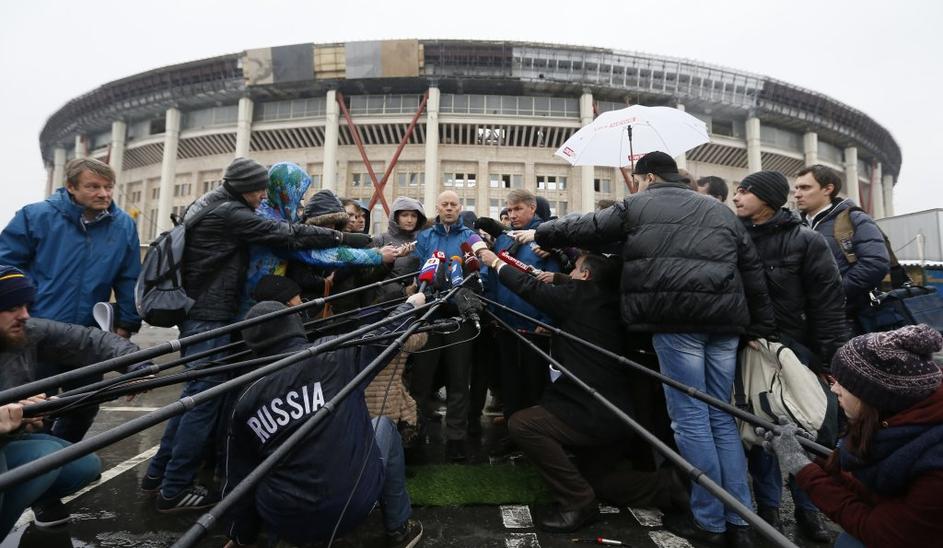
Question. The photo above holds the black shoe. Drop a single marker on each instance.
(567, 521)
(684, 526)
(406, 536)
(504, 447)
(150, 484)
(675, 498)
(770, 515)
(195, 497)
(738, 536)
(50, 514)
(455, 451)
(811, 526)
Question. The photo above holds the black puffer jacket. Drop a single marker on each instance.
(217, 252)
(804, 284)
(689, 263)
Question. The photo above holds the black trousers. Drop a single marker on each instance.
(523, 373)
(453, 352)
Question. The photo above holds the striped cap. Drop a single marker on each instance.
(245, 175)
(16, 289)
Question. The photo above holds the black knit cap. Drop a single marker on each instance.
(892, 370)
(269, 333)
(16, 289)
(658, 163)
(245, 175)
(770, 186)
(323, 202)
(275, 288)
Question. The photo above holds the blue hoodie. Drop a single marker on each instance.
(74, 264)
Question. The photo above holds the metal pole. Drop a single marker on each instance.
(17, 393)
(693, 392)
(694, 473)
(202, 525)
(58, 458)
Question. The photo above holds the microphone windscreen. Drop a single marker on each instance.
(471, 261)
(489, 225)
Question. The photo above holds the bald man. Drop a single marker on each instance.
(446, 235)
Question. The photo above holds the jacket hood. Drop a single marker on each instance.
(63, 202)
(927, 411)
(405, 203)
(287, 184)
(324, 208)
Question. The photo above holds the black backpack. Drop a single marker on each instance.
(158, 293)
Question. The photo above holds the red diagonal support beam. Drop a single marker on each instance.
(378, 192)
(363, 152)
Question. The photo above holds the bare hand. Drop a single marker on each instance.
(487, 256)
(417, 299)
(754, 344)
(406, 249)
(11, 416)
(540, 252)
(32, 424)
(130, 397)
(523, 236)
(390, 253)
(542, 330)
(411, 289)
(545, 277)
(122, 332)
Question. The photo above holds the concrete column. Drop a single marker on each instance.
(888, 185)
(244, 127)
(49, 170)
(58, 168)
(168, 170)
(431, 176)
(116, 157)
(530, 177)
(810, 147)
(484, 198)
(681, 159)
(851, 174)
(586, 191)
(332, 113)
(877, 193)
(81, 146)
(754, 158)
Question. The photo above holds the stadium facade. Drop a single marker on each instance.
(477, 117)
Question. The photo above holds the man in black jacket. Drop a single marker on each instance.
(690, 277)
(215, 262)
(806, 290)
(587, 305)
(346, 462)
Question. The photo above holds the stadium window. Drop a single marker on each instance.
(494, 208)
(499, 180)
(602, 185)
(361, 179)
(155, 193)
(158, 127)
(448, 179)
(722, 127)
(468, 204)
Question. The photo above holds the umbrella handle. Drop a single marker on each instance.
(627, 174)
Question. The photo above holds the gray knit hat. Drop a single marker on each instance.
(269, 333)
(770, 186)
(245, 175)
(892, 370)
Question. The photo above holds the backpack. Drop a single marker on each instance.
(844, 232)
(773, 382)
(158, 294)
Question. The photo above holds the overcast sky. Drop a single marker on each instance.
(881, 58)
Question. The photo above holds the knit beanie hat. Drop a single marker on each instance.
(245, 175)
(269, 333)
(891, 370)
(16, 289)
(272, 287)
(770, 186)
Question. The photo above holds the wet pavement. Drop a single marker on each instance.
(114, 513)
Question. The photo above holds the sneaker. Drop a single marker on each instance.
(150, 484)
(406, 536)
(195, 497)
(50, 514)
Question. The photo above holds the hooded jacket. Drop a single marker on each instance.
(689, 264)
(868, 244)
(397, 236)
(216, 256)
(309, 487)
(804, 284)
(63, 344)
(75, 264)
(891, 498)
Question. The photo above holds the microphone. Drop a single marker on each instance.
(428, 271)
(518, 264)
(474, 243)
(455, 271)
(489, 225)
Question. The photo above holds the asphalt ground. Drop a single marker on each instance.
(114, 513)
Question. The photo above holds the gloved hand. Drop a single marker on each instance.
(489, 225)
(785, 445)
(467, 302)
(355, 239)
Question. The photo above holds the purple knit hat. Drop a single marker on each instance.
(892, 370)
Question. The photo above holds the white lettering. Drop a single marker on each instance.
(256, 427)
(269, 424)
(317, 397)
(282, 418)
(296, 410)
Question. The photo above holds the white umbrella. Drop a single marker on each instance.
(619, 137)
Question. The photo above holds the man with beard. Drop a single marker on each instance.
(25, 342)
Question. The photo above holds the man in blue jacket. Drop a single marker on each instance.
(78, 246)
(523, 373)
(454, 350)
(861, 255)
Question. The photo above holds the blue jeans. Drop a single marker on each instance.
(394, 502)
(768, 482)
(707, 437)
(52, 485)
(185, 437)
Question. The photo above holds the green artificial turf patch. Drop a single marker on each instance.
(459, 485)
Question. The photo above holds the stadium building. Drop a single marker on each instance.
(476, 117)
